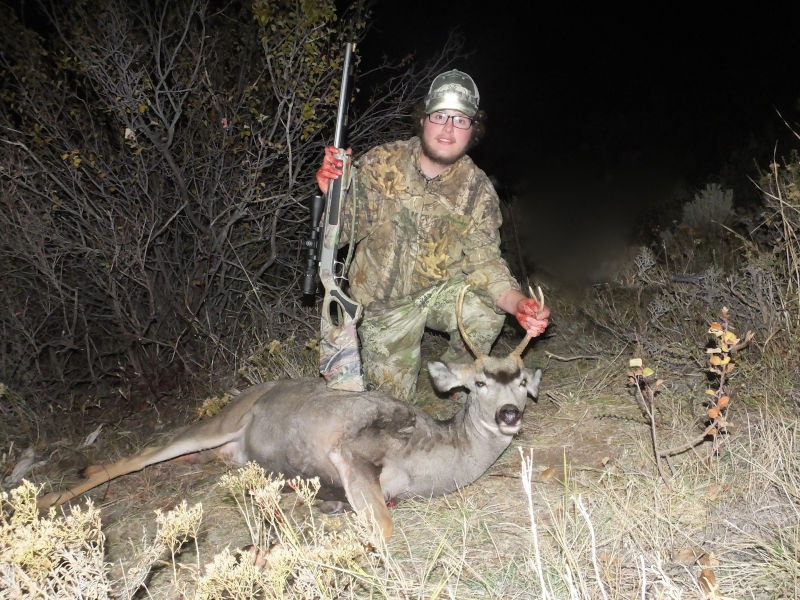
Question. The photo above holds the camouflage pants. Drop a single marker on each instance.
(390, 338)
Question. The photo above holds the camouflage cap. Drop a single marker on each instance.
(455, 90)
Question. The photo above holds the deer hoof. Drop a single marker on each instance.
(334, 507)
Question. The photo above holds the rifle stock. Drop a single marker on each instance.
(340, 361)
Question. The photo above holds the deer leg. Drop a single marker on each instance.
(361, 483)
(99, 474)
(191, 440)
(194, 458)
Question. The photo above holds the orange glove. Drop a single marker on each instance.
(331, 167)
(532, 317)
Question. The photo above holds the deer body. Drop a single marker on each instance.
(365, 447)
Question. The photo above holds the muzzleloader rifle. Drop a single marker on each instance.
(340, 361)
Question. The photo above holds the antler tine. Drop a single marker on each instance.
(459, 307)
(539, 297)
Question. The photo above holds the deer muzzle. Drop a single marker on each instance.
(508, 419)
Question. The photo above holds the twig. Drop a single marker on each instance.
(570, 358)
(646, 396)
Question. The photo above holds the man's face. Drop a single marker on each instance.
(444, 144)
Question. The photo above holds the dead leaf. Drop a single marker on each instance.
(714, 491)
(547, 474)
(686, 555)
(708, 583)
(723, 402)
(713, 412)
(91, 438)
(607, 558)
(24, 465)
(708, 559)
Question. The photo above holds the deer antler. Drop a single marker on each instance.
(524, 343)
(459, 306)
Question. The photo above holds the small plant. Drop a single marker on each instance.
(288, 558)
(721, 365)
(63, 556)
(712, 204)
(52, 556)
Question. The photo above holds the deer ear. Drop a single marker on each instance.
(443, 377)
(533, 383)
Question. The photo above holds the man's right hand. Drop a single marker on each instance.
(331, 167)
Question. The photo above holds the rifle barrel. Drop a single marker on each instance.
(341, 115)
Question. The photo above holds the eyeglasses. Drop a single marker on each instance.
(441, 118)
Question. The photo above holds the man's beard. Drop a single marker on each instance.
(445, 161)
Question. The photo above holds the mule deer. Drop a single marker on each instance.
(365, 447)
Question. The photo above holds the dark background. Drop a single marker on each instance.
(603, 121)
(580, 81)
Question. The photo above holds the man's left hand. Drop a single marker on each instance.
(532, 316)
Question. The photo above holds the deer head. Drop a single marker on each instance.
(500, 385)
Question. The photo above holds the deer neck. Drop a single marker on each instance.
(473, 439)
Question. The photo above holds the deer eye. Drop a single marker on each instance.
(480, 384)
(523, 382)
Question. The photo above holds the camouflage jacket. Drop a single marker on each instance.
(413, 233)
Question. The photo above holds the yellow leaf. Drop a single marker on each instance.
(635, 362)
(142, 108)
(730, 338)
(717, 361)
(647, 372)
(711, 392)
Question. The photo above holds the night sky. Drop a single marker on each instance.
(596, 118)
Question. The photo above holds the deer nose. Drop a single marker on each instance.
(508, 415)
